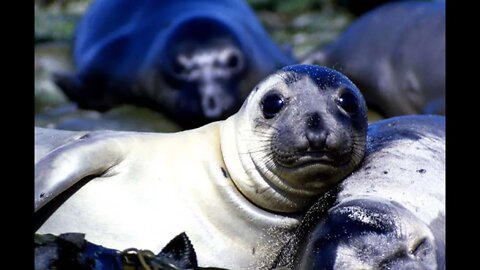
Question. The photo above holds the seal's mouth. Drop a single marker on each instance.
(312, 158)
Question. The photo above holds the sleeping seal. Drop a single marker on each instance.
(236, 187)
(390, 213)
(193, 60)
(396, 55)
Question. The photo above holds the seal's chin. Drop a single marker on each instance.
(312, 175)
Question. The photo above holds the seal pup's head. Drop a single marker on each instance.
(203, 65)
(300, 131)
(370, 233)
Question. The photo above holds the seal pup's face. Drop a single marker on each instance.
(202, 68)
(210, 74)
(368, 233)
(303, 129)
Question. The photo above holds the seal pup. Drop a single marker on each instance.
(193, 60)
(237, 187)
(390, 213)
(396, 55)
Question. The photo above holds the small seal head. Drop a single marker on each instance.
(301, 130)
(204, 68)
(367, 233)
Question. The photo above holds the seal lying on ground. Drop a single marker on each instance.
(193, 60)
(390, 213)
(236, 187)
(396, 55)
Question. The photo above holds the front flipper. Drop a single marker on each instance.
(68, 83)
(91, 155)
(95, 91)
(48, 139)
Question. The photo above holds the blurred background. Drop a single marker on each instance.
(299, 25)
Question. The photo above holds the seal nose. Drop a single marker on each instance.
(315, 133)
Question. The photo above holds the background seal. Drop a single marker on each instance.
(396, 56)
(193, 60)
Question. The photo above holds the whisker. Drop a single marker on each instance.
(258, 122)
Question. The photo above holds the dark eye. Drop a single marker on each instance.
(232, 61)
(177, 67)
(348, 102)
(272, 104)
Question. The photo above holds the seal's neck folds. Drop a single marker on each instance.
(234, 139)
